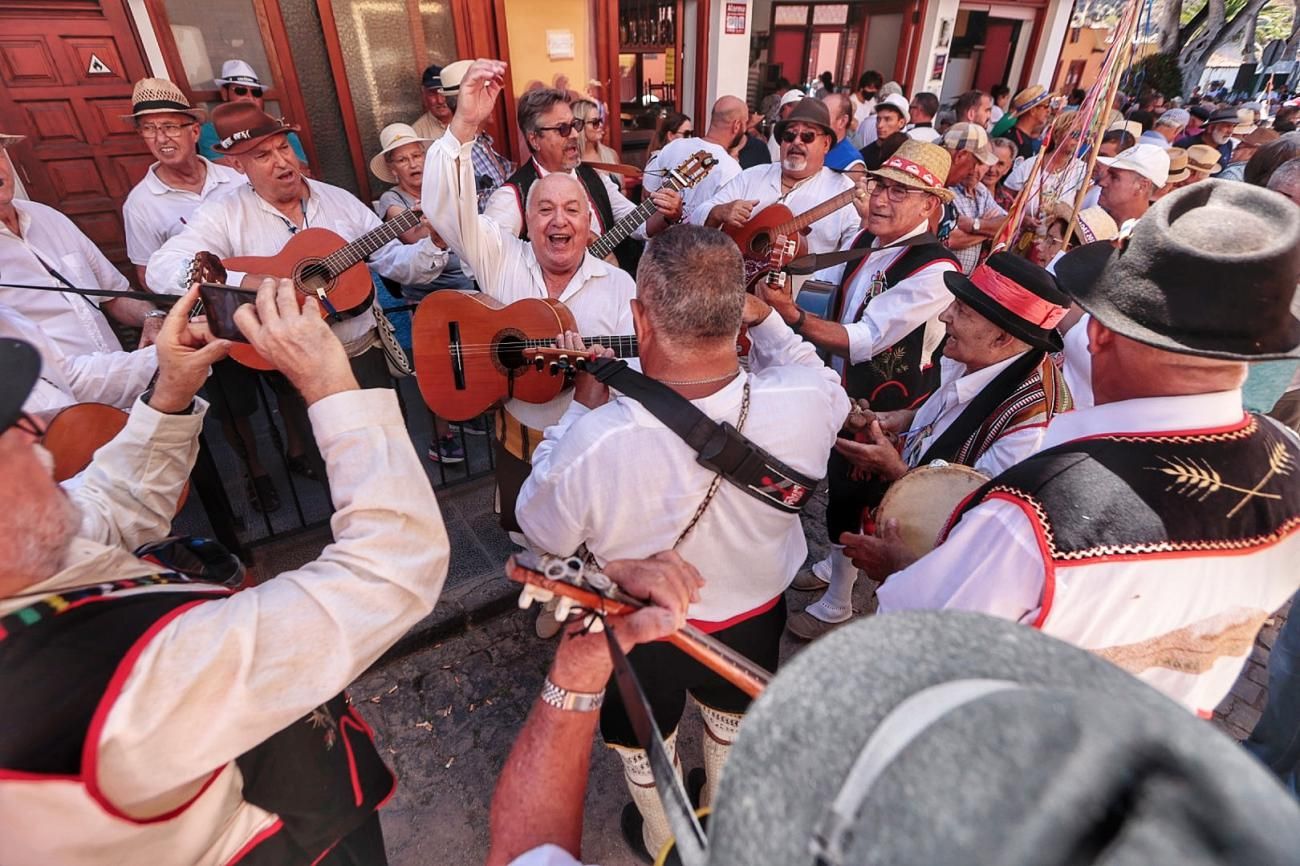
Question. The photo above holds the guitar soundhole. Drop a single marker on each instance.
(761, 245)
(508, 350)
(310, 275)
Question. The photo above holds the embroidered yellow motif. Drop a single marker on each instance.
(1200, 480)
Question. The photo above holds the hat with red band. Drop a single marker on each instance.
(919, 165)
(1016, 295)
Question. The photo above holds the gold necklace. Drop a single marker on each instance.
(730, 375)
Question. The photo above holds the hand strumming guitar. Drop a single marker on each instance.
(479, 90)
(733, 213)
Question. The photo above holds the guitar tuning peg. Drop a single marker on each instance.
(593, 623)
(563, 608)
(530, 594)
(539, 363)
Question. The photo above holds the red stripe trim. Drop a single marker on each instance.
(1199, 553)
(1205, 714)
(1016, 299)
(90, 749)
(24, 776)
(709, 627)
(1049, 565)
(255, 841)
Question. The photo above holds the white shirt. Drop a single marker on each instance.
(154, 211)
(242, 223)
(223, 676)
(763, 183)
(1078, 363)
(1060, 187)
(679, 150)
(618, 480)
(951, 398)
(598, 295)
(892, 315)
(115, 378)
(927, 134)
(991, 561)
(73, 322)
(995, 114)
(545, 855)
(507, 210)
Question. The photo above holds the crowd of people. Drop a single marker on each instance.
(1073, 329)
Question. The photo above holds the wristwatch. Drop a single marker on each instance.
(975, 224)
(563, 699)
(797, 324)
(148, 395)
(156, 314)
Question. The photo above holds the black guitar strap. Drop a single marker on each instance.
(720, 448)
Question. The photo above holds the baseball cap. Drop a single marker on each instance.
(1149, 160)
(432, 76)
(896, 101)
(972, 137)
(1178, 117)
(794, 94)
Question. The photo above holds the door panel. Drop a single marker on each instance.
(997, 50)
(67, 76)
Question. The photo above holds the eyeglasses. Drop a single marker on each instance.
(155, 130)
(895, 192)
(565, 129)
(241, 90)
(807, 136)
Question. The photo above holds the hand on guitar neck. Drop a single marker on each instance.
(587, 389)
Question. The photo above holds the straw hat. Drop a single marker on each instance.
(1092, 224)
(1178, 165)
(240, 126)
(160, 96)
(1203, 158)
(1031, 97)
(391, 137)
(919, 165)
(1132, 127)
(7, 139)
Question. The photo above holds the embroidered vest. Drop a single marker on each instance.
(1164, 553)
(321, 776)
(897, 377)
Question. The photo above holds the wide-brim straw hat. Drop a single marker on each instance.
(241, 126)
(1203, 158)
(452, 75)
(1031, 97)
(391, 137)
(1167, 286)
(1178, 171)
(1091, 225)
(947, 737)
(919, 165)
(160, 96)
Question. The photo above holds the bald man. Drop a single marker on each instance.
(552, 263)
(843, 157)
(726, 129)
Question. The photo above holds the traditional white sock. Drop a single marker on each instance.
(837, 604)
(655, 831)
(719, 733)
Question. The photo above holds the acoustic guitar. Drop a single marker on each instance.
(755, 237)
(321, 264)
(580, 587)
(686, 175)
(74, 435)
(780, 251)
(472, 351)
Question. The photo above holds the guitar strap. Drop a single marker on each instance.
(720, 448)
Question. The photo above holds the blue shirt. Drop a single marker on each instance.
(842, 155)
(208, 138)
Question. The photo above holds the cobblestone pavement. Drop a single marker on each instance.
(447, 714)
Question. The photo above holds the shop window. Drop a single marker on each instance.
(648, 65)
(208, 34)
(837, 13)
(791, 16)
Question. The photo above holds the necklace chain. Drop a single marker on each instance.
(709, 381)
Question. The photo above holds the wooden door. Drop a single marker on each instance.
(999, 36)
(66, 72)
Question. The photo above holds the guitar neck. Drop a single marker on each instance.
(808, 217)
(363, 247)
(624, 346)
(622, 230)
(714, 654)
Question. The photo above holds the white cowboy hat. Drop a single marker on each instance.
(237, 72)
(391, 137)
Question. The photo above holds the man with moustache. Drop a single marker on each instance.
(239, 83)
(726, 130)
(1217, 133)
(553, 136)
(552, 263)
(800, 181)
(882, 336)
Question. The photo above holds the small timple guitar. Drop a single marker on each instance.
(688, 174)
(755, 238)
(578, 586)
(321, 264)
(781, 250)
(472, 352)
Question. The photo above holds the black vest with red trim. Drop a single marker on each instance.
(898, 377)
(1152, 494)
(322, 775)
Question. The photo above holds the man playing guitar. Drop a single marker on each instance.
(800, 181)
(552, 263)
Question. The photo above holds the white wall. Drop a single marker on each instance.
(1056, 22)
(936, 12)
(728, 54)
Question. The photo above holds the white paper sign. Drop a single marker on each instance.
(559, 44)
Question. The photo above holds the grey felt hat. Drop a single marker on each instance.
(988, 743)
(1210, 270)
(21, 364)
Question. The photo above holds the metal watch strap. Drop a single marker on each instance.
(563, 699)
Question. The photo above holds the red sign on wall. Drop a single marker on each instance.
(736, 17)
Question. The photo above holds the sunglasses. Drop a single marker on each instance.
(807, 136)
(241, 90)
(565, 129)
